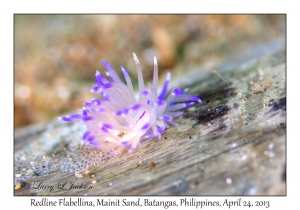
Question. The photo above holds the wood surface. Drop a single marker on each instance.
(233, 143)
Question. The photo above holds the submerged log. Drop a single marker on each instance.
(233, 143)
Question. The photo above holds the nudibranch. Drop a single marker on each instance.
(120, 120)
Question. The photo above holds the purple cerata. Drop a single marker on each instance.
(120, 120)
